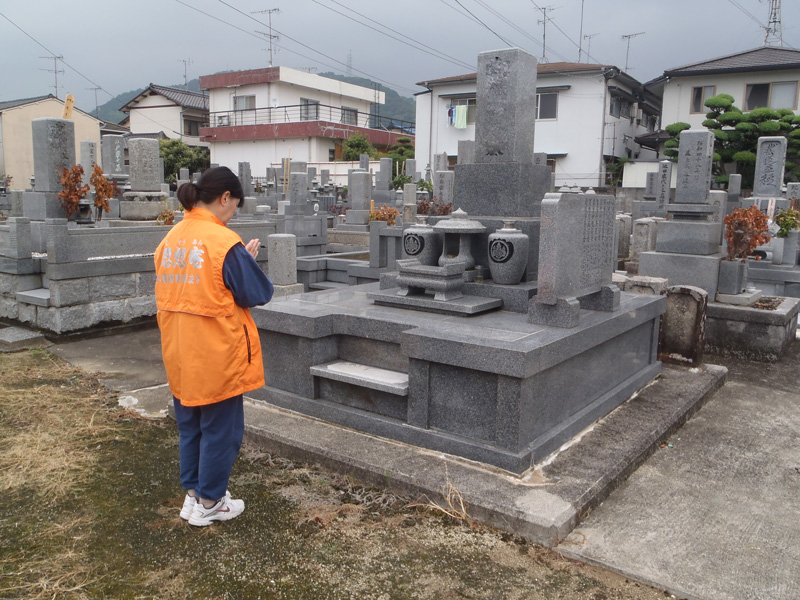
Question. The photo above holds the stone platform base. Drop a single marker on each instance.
(751, 333)
(491, 388)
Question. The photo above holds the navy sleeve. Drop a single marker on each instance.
(244, 278)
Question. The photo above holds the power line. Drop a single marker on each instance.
(271, 37)
(288, 37)
(576, 44)
(749, 14)
(436, 53)
(55, 70)
(477, 20)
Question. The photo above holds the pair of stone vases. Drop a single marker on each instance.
(508, 249)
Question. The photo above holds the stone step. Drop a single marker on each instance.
(40, 297)
(17, 338)
(374, 378)
(327, 285)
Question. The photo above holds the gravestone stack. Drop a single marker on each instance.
(466, 152)
(688, 248)
(654, 203)
(383, 193)
(53, 151)
(734, 193)
(577, 256)
(363, 162)
(359, 194)
(409, 204)
(650, 186)
(112, 151)
(298, 218)
(663, 186)
(503, 180)
(145, 200)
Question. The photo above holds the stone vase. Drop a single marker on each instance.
(732, 276)
(508, 254)
(84, 216)
(777, 245)
(420, 241)
(791, 247)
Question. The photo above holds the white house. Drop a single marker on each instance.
(263, 115)
(176, 113)
(766, 76)
(587, 115)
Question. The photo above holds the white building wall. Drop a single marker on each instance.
(264, 153)
(147, 117)
(678, 92)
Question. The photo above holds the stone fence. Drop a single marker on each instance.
(90, 276)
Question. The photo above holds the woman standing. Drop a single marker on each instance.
(206, 280)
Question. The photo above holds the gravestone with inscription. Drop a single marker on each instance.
(577, 256)
(688, 246)
(112, 151)
(663, 185)
(53, 151)
(650, 186)
(770, 164)
(145, 200)
(246, 177)
(88, 159)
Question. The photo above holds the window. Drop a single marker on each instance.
(331, 154)
(547, 106)
(349, 115)
(191, 127)
(244, 102)
(699, 97)
(620, 107)
(468, 102)
(774, 95)
(649, 121)
(309, 109)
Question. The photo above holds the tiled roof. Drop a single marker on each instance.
(180, 97)
(543, 68)
(23, 101)
(765, 58)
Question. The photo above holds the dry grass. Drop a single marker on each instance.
(452, 503)
(44, 448)
(47, 451)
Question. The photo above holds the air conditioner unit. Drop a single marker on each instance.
(223, 120)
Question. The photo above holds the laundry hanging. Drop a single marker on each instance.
(461, 117)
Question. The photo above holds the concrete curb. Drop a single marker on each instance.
(547, 502)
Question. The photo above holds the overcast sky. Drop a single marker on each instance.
(120, 46)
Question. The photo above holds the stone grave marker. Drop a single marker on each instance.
(445, 182)
(466, 152)
(324, 176)
(88, 159)
(540, 158)
(650, 186)
(363, 162)
(410, 168)
(144, 165)
(770, 164)
(441, 162)
(359, 195)
(695, 156)
(734, 188)
(577, 256)
(53, 151)
(112, 150)
(663, 185)
(245, 176)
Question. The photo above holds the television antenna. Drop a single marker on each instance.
(269, 35)
(628, 51)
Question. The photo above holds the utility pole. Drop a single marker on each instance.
(269, 35)
(349, 62)
(589, 37)
(628, 51)
(186, 62)
(55, 70)
(773, 33)
(543, 23)
(580, 35)
(96, 104)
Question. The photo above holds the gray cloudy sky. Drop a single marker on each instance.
(119, 46)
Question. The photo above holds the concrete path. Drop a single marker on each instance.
(716, 513)
(129, 363)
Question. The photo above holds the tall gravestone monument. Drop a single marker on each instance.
(503, 179)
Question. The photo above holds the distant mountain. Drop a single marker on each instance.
(397, 106)
(110, 113)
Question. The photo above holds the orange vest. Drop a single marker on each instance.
(210, 344)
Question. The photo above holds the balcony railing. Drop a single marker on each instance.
(307, 112)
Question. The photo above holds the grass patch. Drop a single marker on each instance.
(91, 502)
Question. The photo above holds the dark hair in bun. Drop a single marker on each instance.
(213, 183)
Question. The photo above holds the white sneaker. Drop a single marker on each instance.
(188, 506)
(224, 510)
(189, 503)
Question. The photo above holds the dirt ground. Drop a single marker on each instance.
(91, 500)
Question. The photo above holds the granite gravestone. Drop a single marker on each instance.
(88, 159)
(650, 186)
(466, 152)
(663, 185)
(112, 150)
(770, 164)
(445, 182)
(53, 151)
(734, 189)
(359, 196)
(245, 176)
(577, 255)
(363, 162)
(502, 179)
(695, 157)
(441, 162)
(144, 165)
